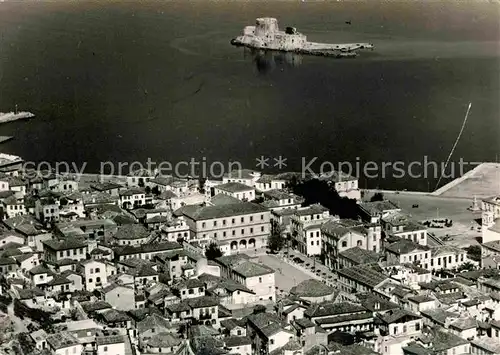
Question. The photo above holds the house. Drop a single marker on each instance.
(361, 278)
(64, 343)
(173, 262)
(268, 182)
(345, 184)
(267, 332)
(258, 278)
(237, 190)
(372, 212)
(243, 176)
(13, 207)
(110, 345)
(400, 322)
(490, 219)
(230, 292)
(234, 227)
(398, 224)
(118, 296)
(190, 288)
(107, 187)
(8, 267)
(132, 198)
(407, 251)
(145, 251)
(340, 235)
(95, 274)
(47, 210)
(173, 230)
(40, 275)
(55, 250)
(357, 256)
(447, 257)
(343, 316)
(313, 291)
(437, 341)
(420, 303)
(490, 254)
(162, 343)
(409, 275)
(131, 234)
(238, 345)
(276, 200)
(306, 226)
(60, 284)
(40, 339)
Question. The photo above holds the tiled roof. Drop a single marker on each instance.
(114, 316)
(363, 274)
(333, 309)
(91, 306)
(360, 256)
(337, 228)
(464, 323)
(376, 208)
(405, 246)
(62, 340)
(204, 301)
(105, 186)
(242, 174)
(153, 321)
(311, 288)
(132, 191)
(131, 231)
(65, 244)
(107, 340)
(396, 315)
(235, 341)
(147, 248)
(221, 211)
(312, 209)
(251, 269)
(163, 340)
(267, 323)
(59, 280)
(234, 187)
(223, 199)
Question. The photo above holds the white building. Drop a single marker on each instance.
(306, 228)
(237, 190)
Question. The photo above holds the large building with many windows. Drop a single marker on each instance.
(234, 227)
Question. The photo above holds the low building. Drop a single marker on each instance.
(406, 251)
(237, 190)
(313, 291)
(64, 343)
(342, 316)
(361, 278)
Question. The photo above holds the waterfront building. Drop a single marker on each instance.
(306, 226)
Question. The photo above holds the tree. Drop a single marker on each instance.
(317, 191)
(213, 252)
(377, 196)
(276, 241)
(474, 252)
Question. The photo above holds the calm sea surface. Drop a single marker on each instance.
(156, 79)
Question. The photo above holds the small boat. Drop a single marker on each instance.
(13, 116)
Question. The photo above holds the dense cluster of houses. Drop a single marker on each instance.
(120, 266)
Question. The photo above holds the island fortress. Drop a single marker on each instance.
(266, 35)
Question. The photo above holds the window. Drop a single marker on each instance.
(233, 221)
(90, 281)
(251, 230)
(215, 235)
(359, 243)
(344, 244)
(261, 216)
(234, 232)
(312, 242)
(417, 326)
(271, 341)
(191, 291)
(223, 222)
(215, 223)
(223, 234)
(243, 231)
(260, 279)
(203, 225)
(251, 218)
(91, 271)
(61, 254)
(238, 332)
(98, 279)
(242, 219)
(262, 229)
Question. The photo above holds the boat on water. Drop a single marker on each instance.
(15, 115)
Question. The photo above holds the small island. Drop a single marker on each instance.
(266, 35)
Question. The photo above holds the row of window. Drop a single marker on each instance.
(233, 221)
(68, 252)
(233, 232)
